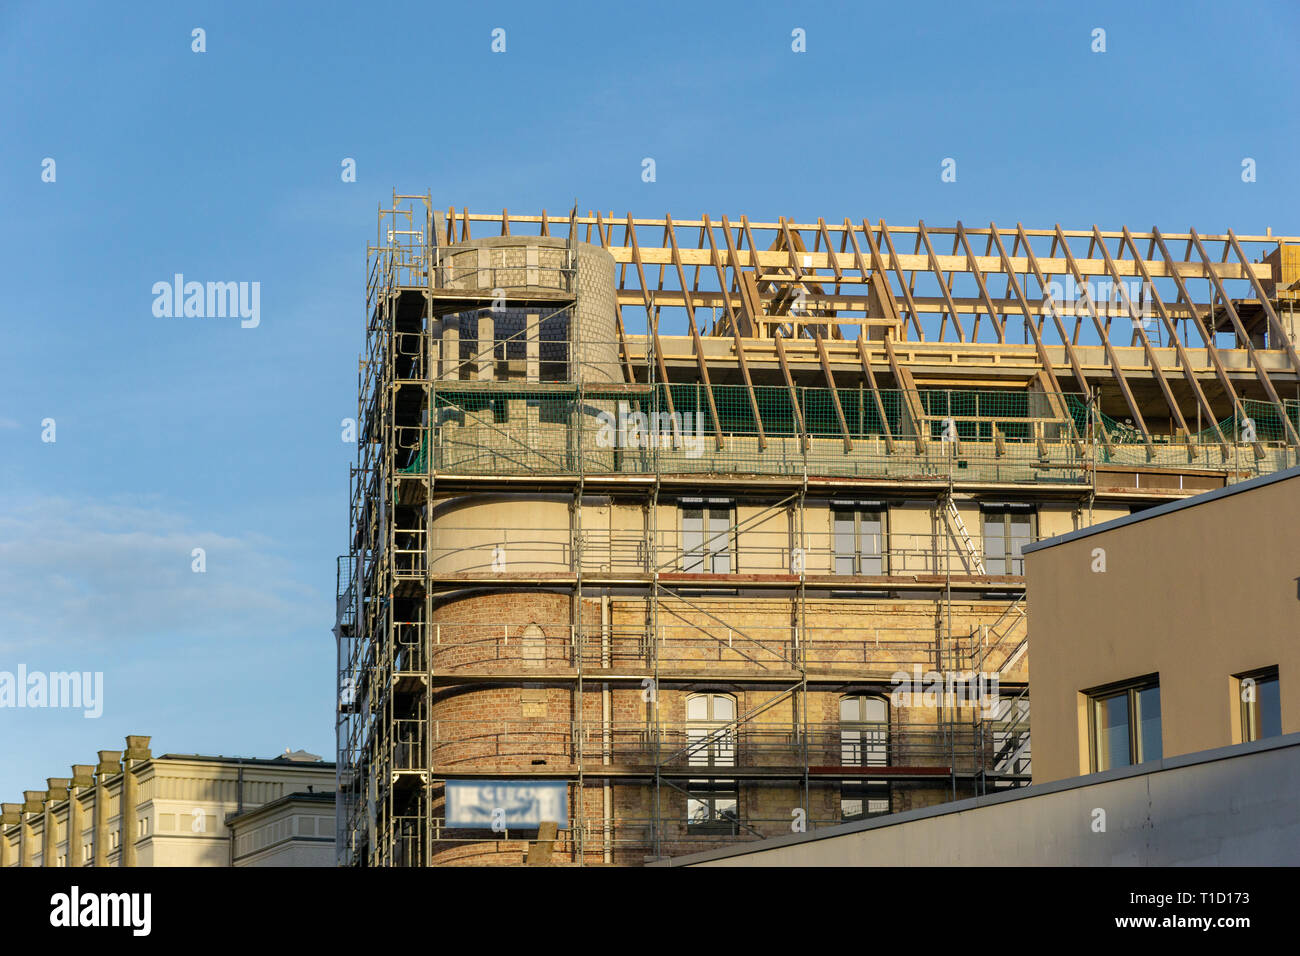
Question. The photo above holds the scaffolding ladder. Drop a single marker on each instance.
(954, 519)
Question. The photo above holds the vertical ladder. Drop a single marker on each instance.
(954, 519)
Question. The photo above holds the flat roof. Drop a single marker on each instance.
(251, 761)
(1156, 512)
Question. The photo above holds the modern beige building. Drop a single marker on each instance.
(652, 520)
(135, 809)
(1171, 631)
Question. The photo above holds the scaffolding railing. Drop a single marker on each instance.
(477, 549)
(934, 434)
(915, 749)
(688, 643)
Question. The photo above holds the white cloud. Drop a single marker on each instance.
(80, 573)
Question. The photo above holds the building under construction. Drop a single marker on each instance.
(717, 523)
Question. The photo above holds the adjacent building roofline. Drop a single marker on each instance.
(1164, 509)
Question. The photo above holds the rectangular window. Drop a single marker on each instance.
(858, 539)
(1261, 704)
(1007, 529)
(712, 805)
(1125, 724)
(707, 531)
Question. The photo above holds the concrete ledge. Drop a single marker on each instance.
(1246, 769)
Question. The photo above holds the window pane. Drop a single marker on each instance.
(1148, 706)
(697, 811)
(842, 532)
(872, 543)
(724, 748)
(697, 708)
(1110, 716)
(724, 708)
(875, 709)
(849, 708)
(718, 543)
(875, 747)
(870, 532)
(995, 544)
(692, 540)
(725, 808)
(1020, 536)
(851, 748)
(1268, 703)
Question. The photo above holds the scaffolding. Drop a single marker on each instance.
(481, 375)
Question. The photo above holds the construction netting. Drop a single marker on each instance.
(1015, 436)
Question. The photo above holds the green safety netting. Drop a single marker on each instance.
(516, 428)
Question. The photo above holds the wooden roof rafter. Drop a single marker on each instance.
(1184, 361)
(924, 237)
(701, 365)
(1244, 337)
(1116, 369)
(735, 329)
(1136, 320)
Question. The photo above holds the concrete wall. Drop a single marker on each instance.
(1231, 807)
(1196, 596)
(292, 832)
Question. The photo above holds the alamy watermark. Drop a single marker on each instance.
(83, 689)
(625, 428)
(950, 688)
(212, 300)
(1106, 298)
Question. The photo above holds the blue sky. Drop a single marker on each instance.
(173, 433)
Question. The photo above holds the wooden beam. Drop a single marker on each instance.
(1260, 371)
(1274, 322)
(1140, 332)
(1183, 360)
(898, 271)
(695, 337)
(984, 292)
(835, 395)
(794, 395)
(1116, 370)
(1048, 374)
(943, 286)
(652, 318)
(1211, 350)
(907, 388)
(875, 395)
(735, 329)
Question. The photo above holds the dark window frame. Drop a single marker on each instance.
(706, 559)
(1001, 515)
(859, 556)
(863, 789)
(1248, 712)
(1130, 689)
(712, 791)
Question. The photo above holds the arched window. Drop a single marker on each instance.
(533, 644)
(711, 804)
(864, 742)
